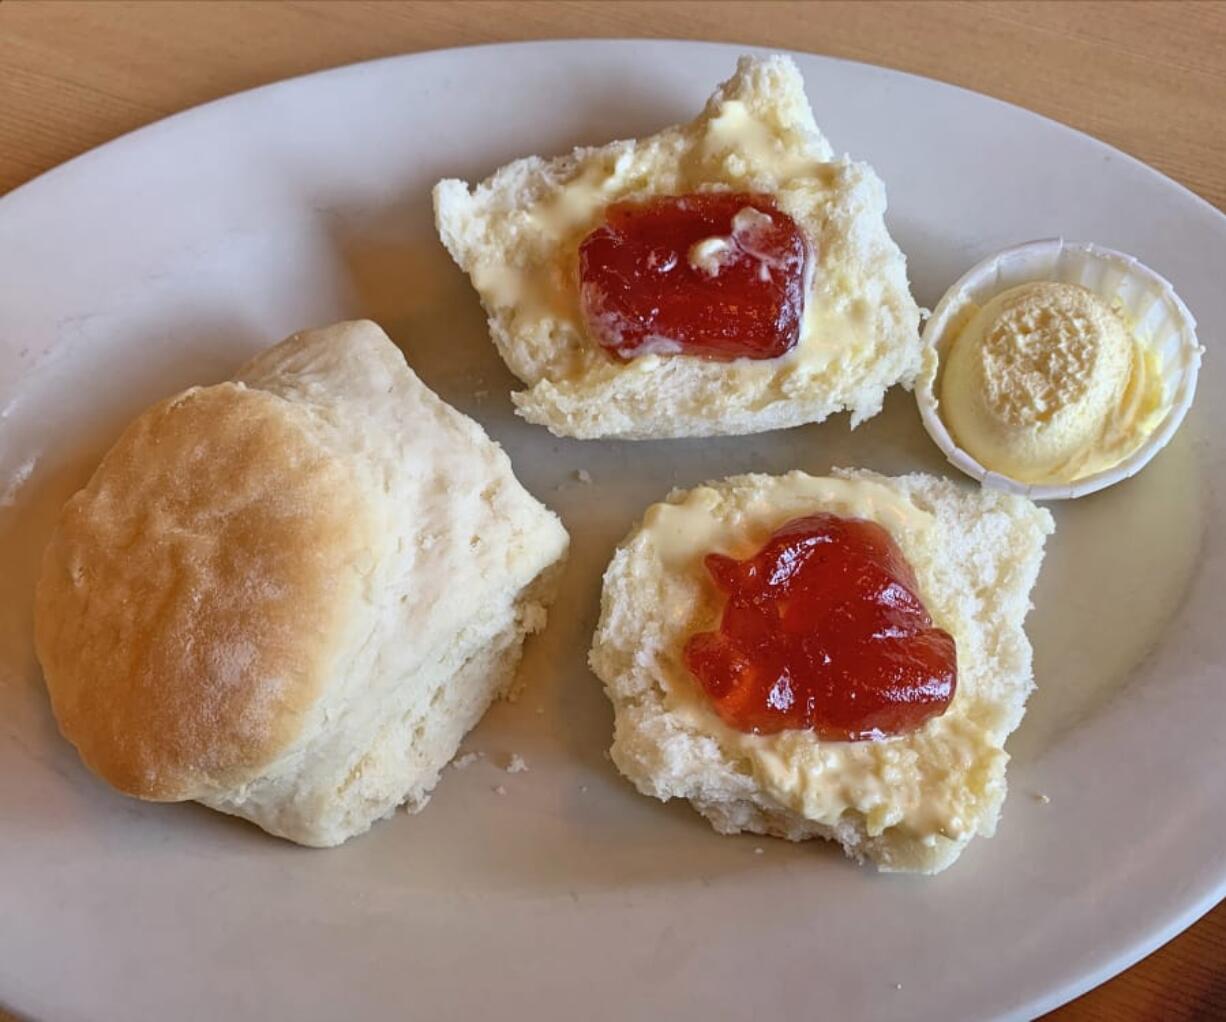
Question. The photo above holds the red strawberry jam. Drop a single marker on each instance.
(824, 630)
(714, 274)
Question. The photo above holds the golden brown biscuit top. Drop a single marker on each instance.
(197, 591)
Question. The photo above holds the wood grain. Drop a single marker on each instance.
(1149, 78)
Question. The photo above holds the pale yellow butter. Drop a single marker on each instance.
(738, 141)
(1046, 384)
(541, 285)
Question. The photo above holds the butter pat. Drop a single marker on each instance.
(711, 255)
(909, 803)
(1045, 383)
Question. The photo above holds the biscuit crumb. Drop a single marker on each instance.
(465, 761)
(759, 851)
(1041, 798)
(8, 496)
(583, 476)
(897, 986)
(500, 789)
(516, 764)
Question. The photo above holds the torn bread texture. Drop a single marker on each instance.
(289, 596)
(517, 235)
(909, 803)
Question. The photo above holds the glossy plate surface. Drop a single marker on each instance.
(167, 257)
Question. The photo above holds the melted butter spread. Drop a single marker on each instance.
(736, 136)
(545, 290)
(941, 780)
(733, 149)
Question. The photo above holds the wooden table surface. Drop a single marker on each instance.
(1149, 78)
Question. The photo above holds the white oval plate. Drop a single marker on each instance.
(165, 258)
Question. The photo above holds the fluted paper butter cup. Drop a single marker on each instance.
(1158, 316)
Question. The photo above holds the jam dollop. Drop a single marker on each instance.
(715, 274)
(824, 630)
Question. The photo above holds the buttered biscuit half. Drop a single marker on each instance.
(726, 276)
(837, 657)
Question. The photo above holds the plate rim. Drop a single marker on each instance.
(565, 41)
(29, 191)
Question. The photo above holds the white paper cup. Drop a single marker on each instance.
(1161, 321)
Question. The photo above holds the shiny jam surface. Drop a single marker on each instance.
(715, 274)
(824, 630)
